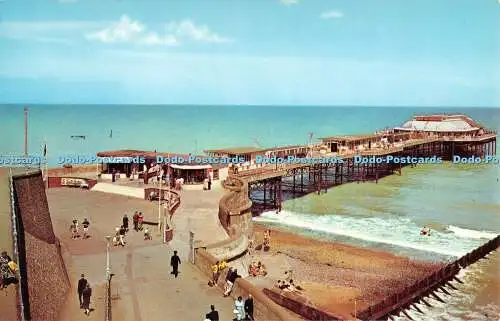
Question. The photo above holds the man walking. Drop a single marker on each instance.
(213, 315)
(125, 222)
(135, 218)
(82, 283)
(249, 307)
(174, 263)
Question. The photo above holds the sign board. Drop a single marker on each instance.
(76, 182)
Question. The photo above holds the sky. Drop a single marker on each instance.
(252, 52)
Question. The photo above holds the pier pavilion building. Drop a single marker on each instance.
(443, 126)
(176, 165)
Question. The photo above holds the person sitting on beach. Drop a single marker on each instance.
(281, 285)
(85, 224)
(261, 269)
(267, 239)
(252, 269)
(74, 229)
(147, 235)
(293, 287)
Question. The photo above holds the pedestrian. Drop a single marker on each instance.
(239, 310)
(85, 224)
(135, 219)
(227, 285)
(122, 232)
(215, 273)
(209, 184)
(213, 315)
(140, 221)
(230, 281)
(74, 229)
(249, 307)
(174, 263)
(87, 293)
(82, 283)
(125, 222)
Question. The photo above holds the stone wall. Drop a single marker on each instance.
(47, 279)
(300, 306)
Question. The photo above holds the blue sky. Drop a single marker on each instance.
(263, 52)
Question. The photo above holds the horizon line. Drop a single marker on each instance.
(238, 105)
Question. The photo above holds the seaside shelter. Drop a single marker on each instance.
(139, 164)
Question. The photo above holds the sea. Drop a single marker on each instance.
(460, 202)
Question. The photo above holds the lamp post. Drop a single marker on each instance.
(160, 194)
(108, 268)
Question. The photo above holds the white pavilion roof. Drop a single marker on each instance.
(446, 125)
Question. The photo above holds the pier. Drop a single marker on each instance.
(270, 184)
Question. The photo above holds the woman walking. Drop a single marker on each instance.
(239, 308)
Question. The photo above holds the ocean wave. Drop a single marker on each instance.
(472, 234)
(396, 231)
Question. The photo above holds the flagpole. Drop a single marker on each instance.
(46, 163)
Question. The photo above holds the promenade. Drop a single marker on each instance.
(143, 288)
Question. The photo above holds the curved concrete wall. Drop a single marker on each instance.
(47, 279)
(235, 207)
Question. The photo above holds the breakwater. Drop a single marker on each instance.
(417, 292)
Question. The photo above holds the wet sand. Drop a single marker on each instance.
(337, 277)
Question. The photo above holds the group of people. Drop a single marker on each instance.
(84, 294)
(243, 310)
(75, 229)
(217, 269)
(8, 271)
(265, 243)
(121, 232)
(287, 284)
(257, 269)
(231, 276)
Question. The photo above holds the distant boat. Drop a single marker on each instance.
(78, 136)
(111, 134)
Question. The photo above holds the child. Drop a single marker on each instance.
(85, 224)
(147, 235)
(74, 229)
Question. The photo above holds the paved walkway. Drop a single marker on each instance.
(144, 290)
(143, 285)
(130, 191)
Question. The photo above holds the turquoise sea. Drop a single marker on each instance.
(460, 202)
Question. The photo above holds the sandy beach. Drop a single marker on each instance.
(336, 277)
